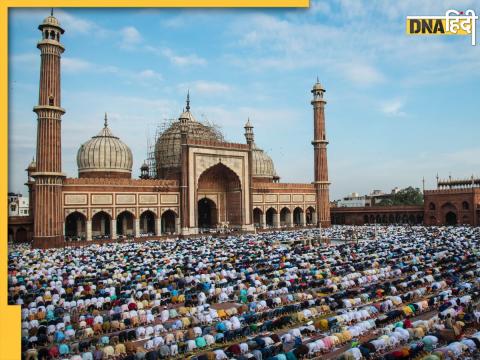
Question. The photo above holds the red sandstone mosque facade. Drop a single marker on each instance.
(201, 180)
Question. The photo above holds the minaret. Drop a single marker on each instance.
(48, 221)
(249, 137)
(184, 205)
(320, 156)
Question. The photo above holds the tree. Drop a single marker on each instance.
(407, 196)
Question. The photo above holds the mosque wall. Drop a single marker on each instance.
(89, 199)
(459, 205)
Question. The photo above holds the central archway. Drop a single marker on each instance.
(219, 198)
(207, 214)
(451, 218)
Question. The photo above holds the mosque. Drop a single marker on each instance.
(194, 182)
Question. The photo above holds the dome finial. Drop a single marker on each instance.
(51, 12)
(105, 124)
(188, 100)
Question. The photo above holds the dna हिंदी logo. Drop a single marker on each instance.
(452, 23)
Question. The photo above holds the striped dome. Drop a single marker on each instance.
(104, 155)
(262, 164)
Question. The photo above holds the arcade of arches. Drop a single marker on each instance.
(102, 226)
(285, 218)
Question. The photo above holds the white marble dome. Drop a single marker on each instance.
(104, 155)
(262, 165)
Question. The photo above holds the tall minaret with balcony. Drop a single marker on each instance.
(320, 156)
(48, 176)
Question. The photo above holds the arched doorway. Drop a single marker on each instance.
(75, 225)
(207, 214)
(21, 235)
(285, 217)
(449, 212)
(270, 217)
(147, 223)
(223, 187)
(451, 218)
(168, 222)
(125, 223)
(11, 235)
(101, 225)
(297, 216)
(257, 217)
(309, 214)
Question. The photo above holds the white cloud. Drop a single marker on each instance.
(320, 7)
(130, 37)
(76, 65)
(185, 60)
(393, 107)
(206, 87)
(26, 60)
(362, 74)
(75, 24)
(149, 74)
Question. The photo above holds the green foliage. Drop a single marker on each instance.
(407, 196)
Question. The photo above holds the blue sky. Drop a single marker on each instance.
(399, 108)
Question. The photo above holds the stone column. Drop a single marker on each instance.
(158, 226)
(276, 220)
(102, 226)
(289, 219)
(263, 220)
(177, 225)
(302, 218)
(314, 218)
(89, 230)
(124, 225)
(79, 227)
(137, 227)
(113, 229)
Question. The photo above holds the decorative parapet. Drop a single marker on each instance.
(119, 181)
(451, 191)
(264, 186)
(218, 144)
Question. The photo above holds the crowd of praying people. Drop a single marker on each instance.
(407, 292)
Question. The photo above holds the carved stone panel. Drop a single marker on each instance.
(270, 198)
(148, 198)
(76, 199)
(102, 199)
(169, 198)
(297, 198)
(125, 199)
(257, 198)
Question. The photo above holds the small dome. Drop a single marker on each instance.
(32, 166)
(318, 87)
(144, 166)
(51, 20)
(262, 165)
(104, 155)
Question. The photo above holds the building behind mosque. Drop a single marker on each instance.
(195, 180)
